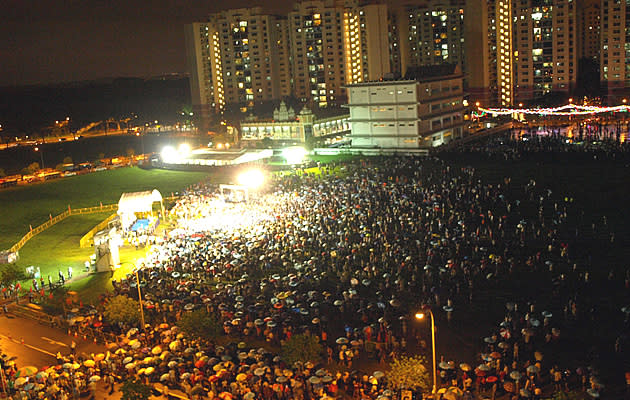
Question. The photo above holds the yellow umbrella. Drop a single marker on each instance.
(99, 357)
(20, 381)
(241, 377)
(156, 350)
(89, 363)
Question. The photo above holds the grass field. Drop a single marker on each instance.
(32, 204)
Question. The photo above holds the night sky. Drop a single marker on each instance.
(51, 41)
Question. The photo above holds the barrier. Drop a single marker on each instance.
(69, 212)
(86, 240)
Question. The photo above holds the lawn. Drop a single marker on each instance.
(32, 204)
(57, 248)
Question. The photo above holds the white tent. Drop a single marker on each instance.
(131, 203)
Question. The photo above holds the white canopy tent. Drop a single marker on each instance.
(137, 202)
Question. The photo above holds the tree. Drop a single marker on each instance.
(123, 310)
(31, 169)
(135, 390)
(409, 373)
(303, 348)
(201, 324)
(11, 274)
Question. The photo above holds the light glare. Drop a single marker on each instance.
(294, 155)
(251, 179)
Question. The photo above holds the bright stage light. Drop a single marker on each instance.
(294, 155)
(251, 179)
(169, 154)
(184, 149)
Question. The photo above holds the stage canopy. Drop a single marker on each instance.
(130, 203)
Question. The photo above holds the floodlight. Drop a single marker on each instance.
(294, 155)
(169, 154)
(251, 179)
(184, 149)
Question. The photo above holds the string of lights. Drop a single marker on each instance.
(565, 110)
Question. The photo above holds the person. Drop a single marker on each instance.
(73, 347)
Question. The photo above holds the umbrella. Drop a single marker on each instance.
(127, 360)
(41, 375)
(130, 366)
(26, 371)
(172, 364)
(67, 366)
(378, 374)
(174, 345)
(149, 371)
(515, 375)
(241, 377)
(111, 345)
(341, 340)
(532, 369)
(164, 377)
(99, 357)
(259, 371)
(525, 393)
(465, 367)
(483, 367)
(495, 355)
(444, 365)
(29, 386)
(314, 380)
(134, 344)
(185, 376)
(509, 387)
(281, 379)
(156, 350)
(89, 363)
(95, 378)
(492, 379)
(20, 381)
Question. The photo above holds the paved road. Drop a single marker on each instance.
(35, 344)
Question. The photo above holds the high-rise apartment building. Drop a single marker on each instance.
(588, 15)
(245, 56)
(237, 57)
(333, 43)
(530, 50)
(426, 32)
(615, 46)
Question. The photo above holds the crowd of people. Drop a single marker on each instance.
(349, 256)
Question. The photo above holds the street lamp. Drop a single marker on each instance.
(135, 271)
(41, 154)
(420, 315)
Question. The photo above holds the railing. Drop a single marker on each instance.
(78, 211)
(86, 240)
(53, 220)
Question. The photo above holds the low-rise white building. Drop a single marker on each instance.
(422, 112)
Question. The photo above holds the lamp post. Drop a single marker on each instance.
(135, 271)
(41, 154)
(420, 315)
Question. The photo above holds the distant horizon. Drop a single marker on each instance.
(104, 79)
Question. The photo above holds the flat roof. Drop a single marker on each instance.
(383, 83)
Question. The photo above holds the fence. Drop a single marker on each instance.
(86, 239)
(53, 220)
